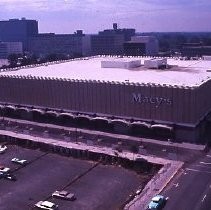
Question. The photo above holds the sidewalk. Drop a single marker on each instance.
(155, 185)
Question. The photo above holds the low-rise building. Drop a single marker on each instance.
(192, 51)
(107, 44)
(66, 44)
(111, 41)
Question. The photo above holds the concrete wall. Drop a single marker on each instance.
(174, 104)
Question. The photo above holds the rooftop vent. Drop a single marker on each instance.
(120, 63)
(156, 63)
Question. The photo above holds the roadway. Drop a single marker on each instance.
(191, 188)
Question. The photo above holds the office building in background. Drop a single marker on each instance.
(8, 48)
(63, 44)
(111, 41)
(15, 30)
(141, 45)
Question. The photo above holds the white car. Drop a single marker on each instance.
(19, 161)
(46, 205)
(64, 195)
(3, 148)
(4, 170)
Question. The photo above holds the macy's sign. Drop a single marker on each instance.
(156, 101)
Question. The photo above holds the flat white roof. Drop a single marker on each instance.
(182, 73)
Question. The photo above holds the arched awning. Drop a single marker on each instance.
(160, 126)
(119, 121)
(25, 109)
(101, 123)
(82, 117)
(11, 107)
(141, 128)
(2, 106)
(100, 119)
(141, 124)
(82, 120)
(66, 114)
(51, 113)
(39, 111)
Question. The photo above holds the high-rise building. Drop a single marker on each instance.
(15, 30)
(8, 48)
(3, 50)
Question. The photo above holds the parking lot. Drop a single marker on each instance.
(95, 186)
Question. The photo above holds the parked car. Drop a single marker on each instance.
(10, 177)
(2, 175)
(19, 161)
(4, 170)
(157, 203)
(64, 195)
(46, 205)
(3, 148)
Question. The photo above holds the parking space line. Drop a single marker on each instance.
(203, 198)
(176, 184)
(199, 171)
(205, 163)
(75, 179)
(203, 166)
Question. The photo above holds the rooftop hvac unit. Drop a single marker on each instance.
(121, 63)
(155, 63)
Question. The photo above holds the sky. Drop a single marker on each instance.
(91, 16)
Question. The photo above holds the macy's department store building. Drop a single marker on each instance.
(140, 93)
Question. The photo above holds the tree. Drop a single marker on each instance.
(55, 57)
(13, 59)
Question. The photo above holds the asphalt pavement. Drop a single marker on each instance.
(154, 186)
(191, 188)
(95, 185)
